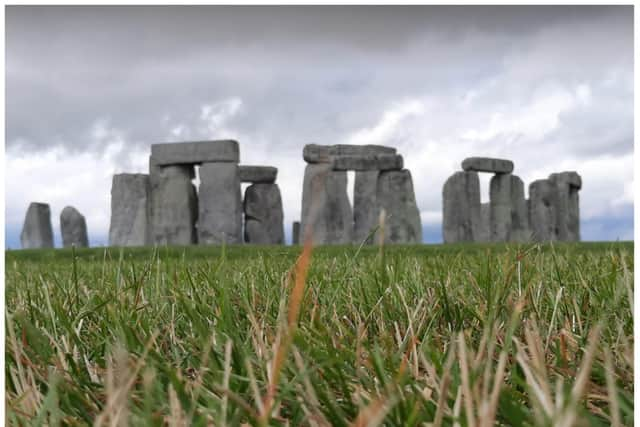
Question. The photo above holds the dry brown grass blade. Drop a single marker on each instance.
(444, 386)
(466, 385)
(285, 335)
(373, 414)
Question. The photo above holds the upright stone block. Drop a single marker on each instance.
(220, 204)
(295, 233)
(520, 230)
(461, 208)
(174, 204)
(263, 215)
(37, 232)
(130, 207)
(73, 228)
(365, 206)
(396, 196)
(567, 185)
(484, 230)
(500, 202)
(326, 212)
(542, 210)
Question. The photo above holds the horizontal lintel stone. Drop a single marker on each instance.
(196, 152)
(258, 174)
(367, 163)
(487, 164)
(315, 153)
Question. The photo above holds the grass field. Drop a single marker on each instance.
(472, 335)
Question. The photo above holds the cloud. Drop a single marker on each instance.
(552, 88)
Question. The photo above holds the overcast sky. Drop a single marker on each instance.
(88, 89)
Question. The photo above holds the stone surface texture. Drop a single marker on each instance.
(314, 153)
(220, 204)
(174, 204)
(567, 186)
(326, 212)
(483, 233)
(365, 207)
(396, 196)
(37, 232)
(367, 163)
(130, 206)
(508, 209)
(487, 164)
(542, 210)
(295, 233)
(195, 152)
(263, 215)
(461, 221)
(73, 228)
(258, 174)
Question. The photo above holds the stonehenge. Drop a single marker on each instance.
(37, 232)
(551, 212)
(73, 228)
(164, 207)
(381, 185)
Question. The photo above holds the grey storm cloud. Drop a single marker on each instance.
(438, 82)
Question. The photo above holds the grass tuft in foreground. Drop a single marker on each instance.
(443, 335)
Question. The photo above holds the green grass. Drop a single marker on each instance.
(401, 335)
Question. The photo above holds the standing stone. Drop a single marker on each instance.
(220, 204)
(326, 212)
(73, 228)
(484, 230)
(365, 207)
(174, 204)
(542, 210)
(295, 233)
(461, 208)
(500, 202)
(396, 196)
(567, 185)
(519, 231)
(130, 210)
(263, 216)
(37, 231)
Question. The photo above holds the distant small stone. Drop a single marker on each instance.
(73, 228)
(37, 231)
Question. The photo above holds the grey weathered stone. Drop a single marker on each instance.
(367, 163)
(258, 174)
(487, 164)
(73, 228)
(500, 202)
(484, 230)
(295, 233)
(542, 210)
(396, 196)
(461, 220)
(174, 204)
(314, 153)
(37, 231)
(130, 206)
(220, 204)
(326, 213)
(508, 209)
(519, 231)
(196, 152)
(263, 215)
(365, 206)
(567, 185)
